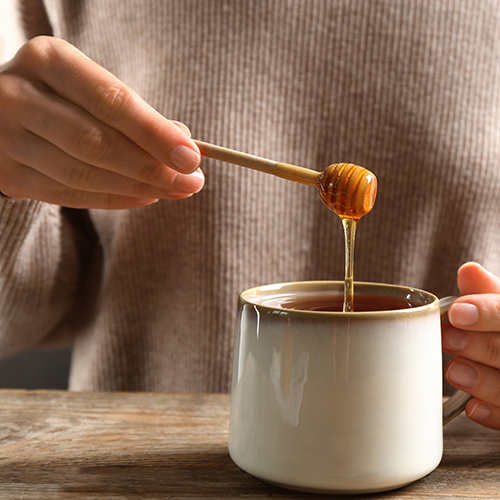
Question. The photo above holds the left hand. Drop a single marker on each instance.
(474, 337)
(72, 134)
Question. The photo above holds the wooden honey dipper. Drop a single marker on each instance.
(347, 189)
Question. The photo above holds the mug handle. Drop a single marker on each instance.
(456, 403)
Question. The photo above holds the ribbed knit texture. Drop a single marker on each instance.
(410, 90)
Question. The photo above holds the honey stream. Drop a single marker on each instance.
(348, 190)
(350, 226)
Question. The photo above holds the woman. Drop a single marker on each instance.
(147, 295)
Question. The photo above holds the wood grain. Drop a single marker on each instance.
(70, 445)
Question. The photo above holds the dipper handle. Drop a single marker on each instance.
(284, 170)
(347, 189)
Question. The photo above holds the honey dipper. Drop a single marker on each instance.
(347, 189)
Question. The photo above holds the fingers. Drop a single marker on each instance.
(473, 279)
(45, 189)
(68, 172)
(69, 128)
(483, 413)
(479, 312)
(479, 307)
(483, 347)
(473, 335)
(79, 80)
(482, 382)
(183, 127)
(81, 137)
(477, 368)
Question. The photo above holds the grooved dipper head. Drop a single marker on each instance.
(347, 189)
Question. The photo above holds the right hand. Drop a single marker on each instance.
(74, 135)
(473, 336)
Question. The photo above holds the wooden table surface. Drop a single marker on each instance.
(59, 444)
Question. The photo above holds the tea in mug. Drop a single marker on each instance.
(334, 302)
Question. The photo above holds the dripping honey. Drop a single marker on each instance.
(348, 190)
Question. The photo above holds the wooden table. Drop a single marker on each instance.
(58, 445)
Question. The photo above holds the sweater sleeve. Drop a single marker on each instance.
(41, 270)
(41, 247)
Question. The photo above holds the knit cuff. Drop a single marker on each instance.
(16, 218)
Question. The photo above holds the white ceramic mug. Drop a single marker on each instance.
(337, 402)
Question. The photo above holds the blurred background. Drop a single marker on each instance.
(36, 369)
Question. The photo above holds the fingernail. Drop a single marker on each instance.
(145, 201)
(176, 195)
(480, 412)
(461, 374)
(184, 158)
(454, 340)
(183, 127)
(462, 314)
(191, 183)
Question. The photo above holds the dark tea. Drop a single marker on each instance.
(334, 302)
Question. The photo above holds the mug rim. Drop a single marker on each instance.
(431, 301)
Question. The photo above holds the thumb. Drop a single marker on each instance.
(475, 279)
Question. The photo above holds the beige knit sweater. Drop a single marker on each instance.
(410, 90)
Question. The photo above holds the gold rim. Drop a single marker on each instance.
(253, 297)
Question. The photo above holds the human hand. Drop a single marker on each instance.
(474, 336)
(72, 134)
